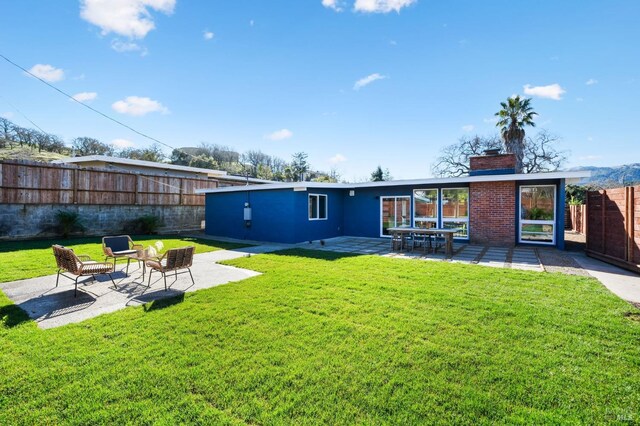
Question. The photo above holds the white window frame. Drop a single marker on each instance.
(456, 219)
(538, 222)
(413, 206)
(395, 198)
(326, 206)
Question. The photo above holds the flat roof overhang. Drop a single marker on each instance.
(570, 177)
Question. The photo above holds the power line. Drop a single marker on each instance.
(90, 107)
(22, 114)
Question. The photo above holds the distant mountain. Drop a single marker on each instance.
(608, 177)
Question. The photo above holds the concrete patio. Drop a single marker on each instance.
(52, 306)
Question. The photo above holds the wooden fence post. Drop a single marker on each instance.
(180, 193)
(74, 187)
(604, 216)
(136, 201)
(629, 222)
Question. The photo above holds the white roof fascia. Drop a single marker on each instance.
(570, 177)
(141, 163)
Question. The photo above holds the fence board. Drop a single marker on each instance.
(613, 226)
(24, 182)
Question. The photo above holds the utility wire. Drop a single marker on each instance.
(22, 114)
(90, 107)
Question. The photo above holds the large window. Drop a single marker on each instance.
(455, 210)
(538, 214)
(317, 207)
(425, 208)
(394, 211)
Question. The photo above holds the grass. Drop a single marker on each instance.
(28, 259)
(27, 153)
(334, 339)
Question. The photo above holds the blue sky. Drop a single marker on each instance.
(282, 76)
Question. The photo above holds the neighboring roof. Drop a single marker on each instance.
(302, 186)
(141, 163)
(218, 174)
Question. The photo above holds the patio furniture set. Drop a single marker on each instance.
(412, 238)
(74, 266)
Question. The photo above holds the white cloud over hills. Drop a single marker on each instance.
(138, 106)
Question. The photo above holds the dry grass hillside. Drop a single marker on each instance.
(27, 153)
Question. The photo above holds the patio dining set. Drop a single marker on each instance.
(121, 247)
(426, 239)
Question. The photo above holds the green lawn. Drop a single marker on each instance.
(27, 259)
(325, 338)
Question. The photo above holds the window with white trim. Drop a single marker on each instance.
(455, 210)
(537, 214)
(425, 208)
(317, 207)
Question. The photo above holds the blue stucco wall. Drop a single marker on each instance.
(282, 215)
(277, 215)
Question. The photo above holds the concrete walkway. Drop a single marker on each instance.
(52, 307)
(624, 284)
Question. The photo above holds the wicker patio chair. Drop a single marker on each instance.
(173, 260)
(119, 247)
(79, 266)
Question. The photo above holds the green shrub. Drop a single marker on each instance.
(147, 224)
(67, 222)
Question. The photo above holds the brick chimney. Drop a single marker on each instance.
(492, 163)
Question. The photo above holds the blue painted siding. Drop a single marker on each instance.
(282, 215)
(362, 211)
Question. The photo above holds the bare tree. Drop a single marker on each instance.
(454, 159)
(153, 153)
(89, 146)
(6, 133)
(539, 154)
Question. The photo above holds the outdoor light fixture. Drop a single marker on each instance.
(247, 215)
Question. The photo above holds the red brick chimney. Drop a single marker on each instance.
(492, 163)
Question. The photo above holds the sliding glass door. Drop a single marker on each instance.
(425, 208)
(394, 211)
(538, 214)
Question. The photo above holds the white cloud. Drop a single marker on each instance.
(552, 91)
(122, 143)
(280, 135)
(333, 4)
(123, 46)
(491, 120)
(47, 72)
(468, 128)
(338, 158)
(129, 18)
(365, 81)
(85, 96)
(207, 35)
(591, 82)
(137, 106)
(381, 6)
(8, 115)
(252, 23)
(590, 157)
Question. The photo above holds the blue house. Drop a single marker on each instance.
(493, 205)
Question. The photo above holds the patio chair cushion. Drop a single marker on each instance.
(123, 252)
(117, 244)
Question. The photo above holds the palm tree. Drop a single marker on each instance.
(515, 114)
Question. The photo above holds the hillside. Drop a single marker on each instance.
(27, 153)
(626, 174)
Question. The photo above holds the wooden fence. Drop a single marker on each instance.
(613, 226)
(577, 218)
(44, 183)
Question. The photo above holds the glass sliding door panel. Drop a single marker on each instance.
(455, 210)
(394, 211)
(537, 214)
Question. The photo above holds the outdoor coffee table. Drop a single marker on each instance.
(143, 256)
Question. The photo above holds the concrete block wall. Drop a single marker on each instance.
(25, 221)
(492, 217)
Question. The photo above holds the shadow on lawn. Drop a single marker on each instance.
(160, 299)
(12, 316)
(315, 254)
